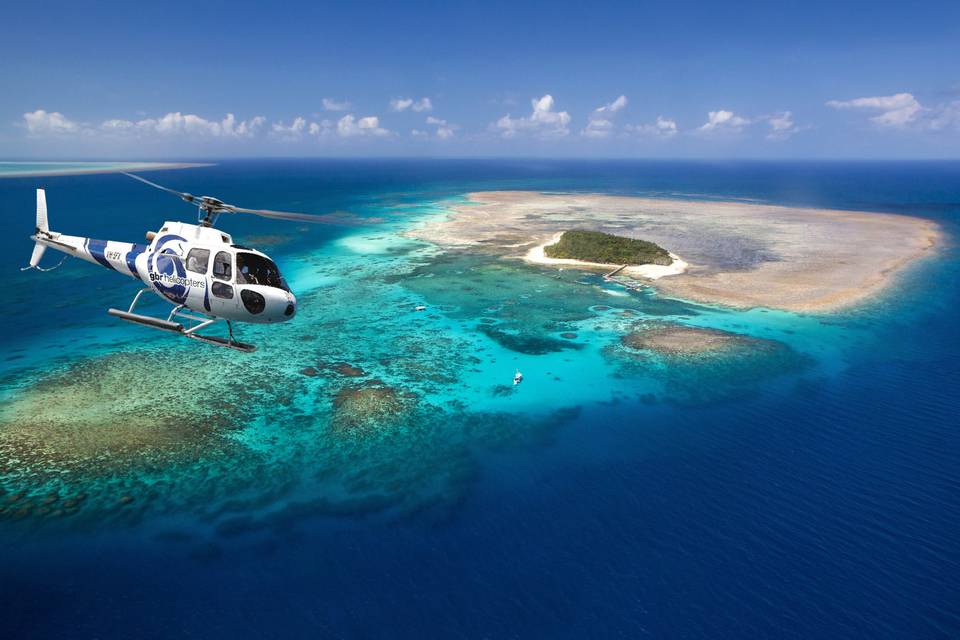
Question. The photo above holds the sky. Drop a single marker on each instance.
(678, 79)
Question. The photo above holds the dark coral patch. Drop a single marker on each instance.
(368, 407)
(348, 370)
(527, 343)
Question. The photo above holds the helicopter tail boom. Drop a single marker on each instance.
(118, 256)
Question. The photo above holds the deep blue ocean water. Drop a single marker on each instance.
(820, 498)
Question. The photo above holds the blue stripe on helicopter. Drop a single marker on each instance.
(131, 258)
(96, 249)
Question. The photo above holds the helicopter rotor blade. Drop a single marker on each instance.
(185, 196)
(290, 215)
(215, 206)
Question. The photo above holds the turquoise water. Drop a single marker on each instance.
(372, 469)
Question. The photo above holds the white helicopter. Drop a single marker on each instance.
(195, 267)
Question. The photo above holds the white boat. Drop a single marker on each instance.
(518, 377)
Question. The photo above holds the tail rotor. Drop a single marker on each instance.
(41, 233)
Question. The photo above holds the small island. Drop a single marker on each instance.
(606, 248)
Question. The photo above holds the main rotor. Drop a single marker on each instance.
(210, 208)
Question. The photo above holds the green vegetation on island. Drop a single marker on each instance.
(594, 246)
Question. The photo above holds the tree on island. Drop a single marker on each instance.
(595, 246)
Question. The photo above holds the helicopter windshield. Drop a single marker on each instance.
(254, 269)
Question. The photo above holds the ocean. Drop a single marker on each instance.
(371, 472)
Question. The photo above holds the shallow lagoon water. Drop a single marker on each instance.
(371, 469)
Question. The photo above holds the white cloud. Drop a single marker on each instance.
(904, 112)
(402, 104)
(598, 128)
(723, 120)
(543, 120)
(290, 132)
(782, 125)
(897, 111)
(423, 104)
(176, 123)
(445, 130)
(600, 124)
(662, 128)
(348, 127)
(245, 129)
(614, 106)
(41, 123)
(329, 104)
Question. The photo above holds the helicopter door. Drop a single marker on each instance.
(223, 295)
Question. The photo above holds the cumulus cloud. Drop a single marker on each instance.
(329, 104)
(782, 126)
(897, 110)
(402, 104)
(177, 123)
(723, 120)
(614, 106)
(543, 120)
(662, 128)
(598, 128)
(348, 127)
(290, 132)
(245, 128)
(445, 130)
(600, 124)
(904, 111)
(40, 123)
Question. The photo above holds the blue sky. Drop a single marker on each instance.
(593, 79)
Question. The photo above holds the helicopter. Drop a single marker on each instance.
(195, 267)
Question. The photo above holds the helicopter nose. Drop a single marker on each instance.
(291, 309)
(268, 304)
(283, 306)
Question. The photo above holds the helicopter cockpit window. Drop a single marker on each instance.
(256, 269)
(223, 266)
(197, 260)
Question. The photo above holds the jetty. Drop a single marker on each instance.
(607, 276)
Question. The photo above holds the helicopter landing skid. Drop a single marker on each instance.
(188, 329)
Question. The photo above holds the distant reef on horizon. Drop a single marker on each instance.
(31, 169)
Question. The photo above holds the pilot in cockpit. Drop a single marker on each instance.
(193, 263)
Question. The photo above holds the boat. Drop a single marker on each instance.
(518, 377)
